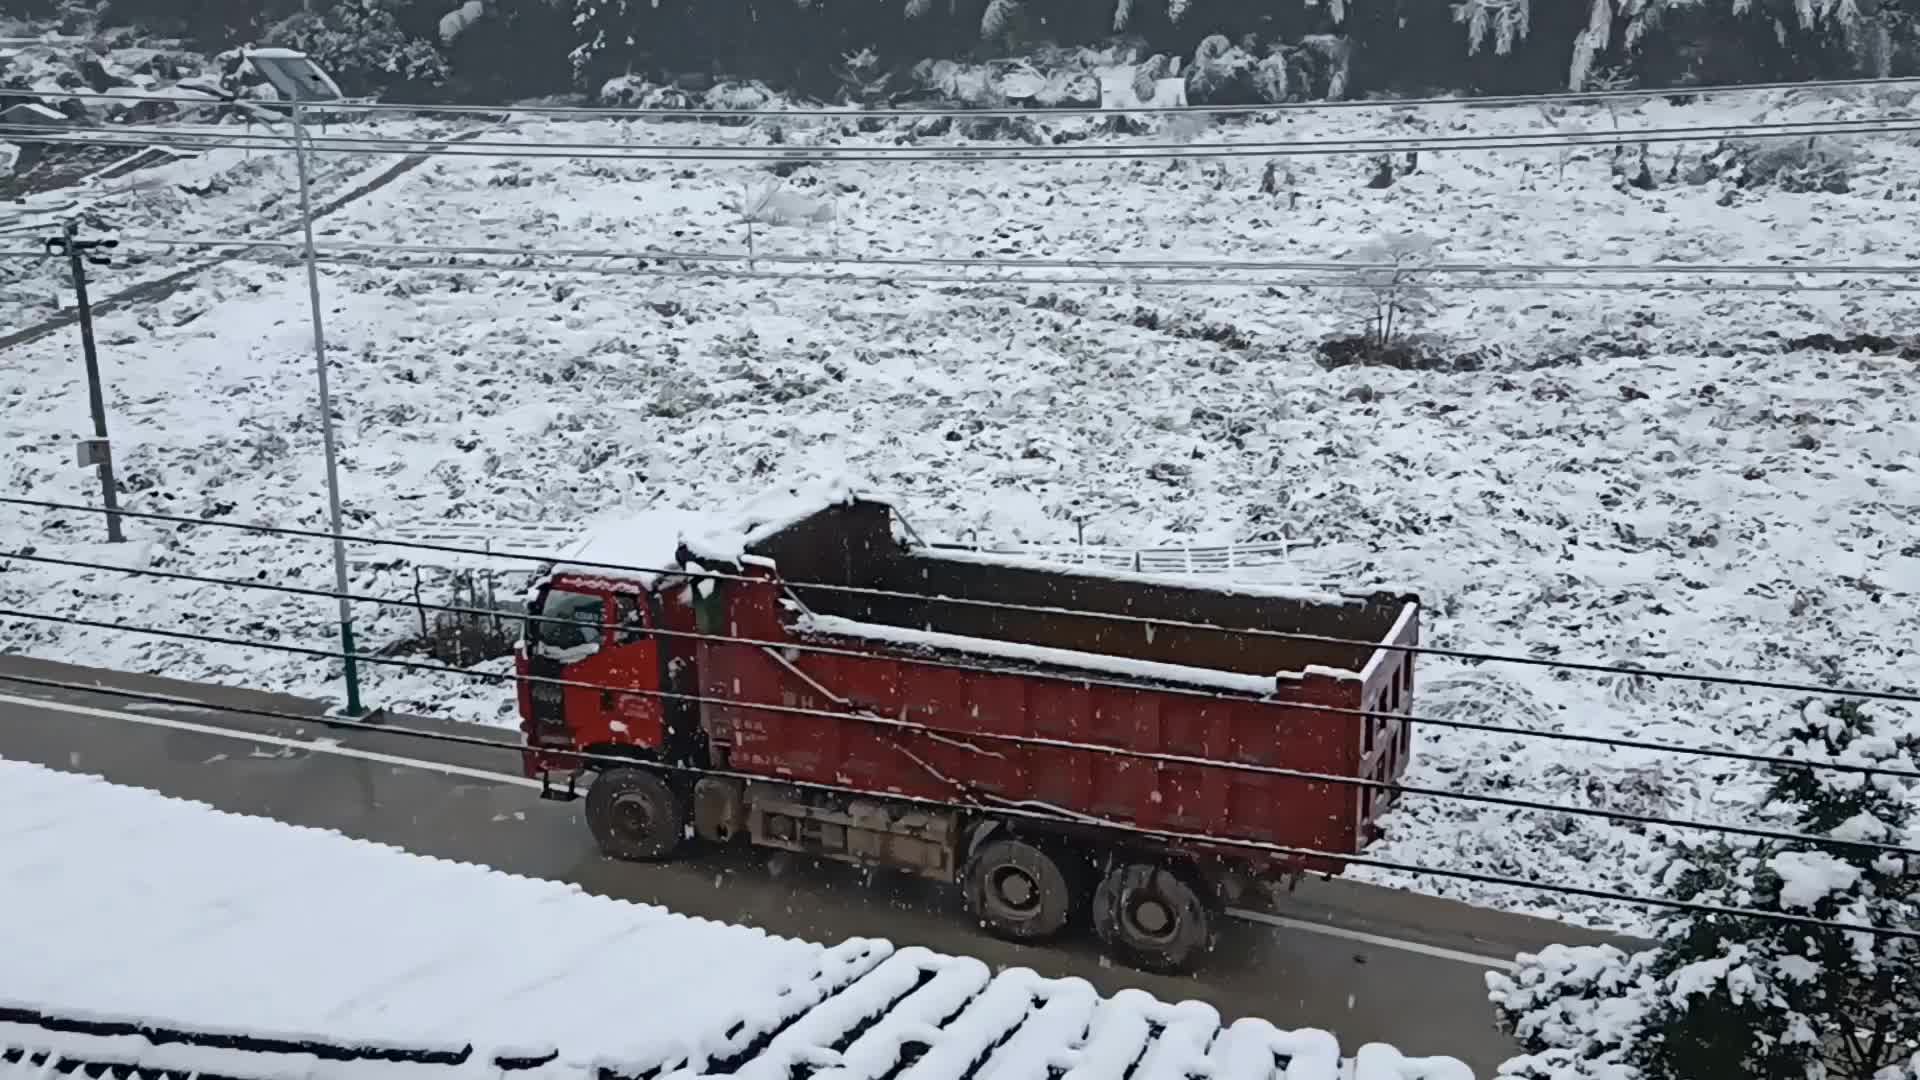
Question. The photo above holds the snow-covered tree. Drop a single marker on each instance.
(1502, 24)
(1393, 293)
(361, 44)
(1736, 996)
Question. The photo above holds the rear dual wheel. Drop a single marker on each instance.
(1153, 917)
(1020, 890)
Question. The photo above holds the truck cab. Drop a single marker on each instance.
(596, 676)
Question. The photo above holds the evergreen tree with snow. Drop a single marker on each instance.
(1733, 996)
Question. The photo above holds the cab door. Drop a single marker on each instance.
(631, 660)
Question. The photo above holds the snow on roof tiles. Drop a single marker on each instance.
(352, 951)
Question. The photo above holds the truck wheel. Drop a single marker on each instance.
(1017, 890)
(635, 815)
(1152, 918)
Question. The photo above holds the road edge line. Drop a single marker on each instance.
(1438, 952)
(319, 745)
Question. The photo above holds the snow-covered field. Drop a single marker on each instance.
(328, 942)
(1640, 475)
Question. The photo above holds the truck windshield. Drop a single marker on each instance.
(582, 612)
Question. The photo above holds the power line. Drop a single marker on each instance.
(1409, 275)
(1042, 112)
(1771, 760)
(966, 738)
(1086, 263)
(1067, 152)
(1465, 655)
(1354, 281)
(1023, 812)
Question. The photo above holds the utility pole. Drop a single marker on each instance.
(95, 451)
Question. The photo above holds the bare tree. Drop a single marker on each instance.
(1391, 284)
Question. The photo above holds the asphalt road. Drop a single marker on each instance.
(1369, 964)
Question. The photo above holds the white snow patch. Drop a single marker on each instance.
(1808, 877)
(429, 955)
(414, 950)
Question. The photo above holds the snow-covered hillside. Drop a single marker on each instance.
(1673, 478)
(354, 952)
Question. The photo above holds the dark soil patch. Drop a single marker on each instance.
(1363, 351)
(1855, 343)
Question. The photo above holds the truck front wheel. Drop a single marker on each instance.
(1018, 890)
(635, 815)
(1152, 918)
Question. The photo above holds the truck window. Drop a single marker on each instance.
(582, 614)
(631, 624)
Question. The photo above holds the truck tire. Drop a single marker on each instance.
(1153, 918)
(635, 815)
(1018, 890)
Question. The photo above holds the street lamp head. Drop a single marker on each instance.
(293, 75)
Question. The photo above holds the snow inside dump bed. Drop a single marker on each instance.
(268, 951)
(952, 596)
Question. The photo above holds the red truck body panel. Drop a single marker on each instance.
(834, 718)
(817, 742)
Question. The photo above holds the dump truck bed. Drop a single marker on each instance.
(1185, 671)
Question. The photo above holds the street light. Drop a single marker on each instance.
(298, 81)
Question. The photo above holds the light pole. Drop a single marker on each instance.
(298, 79)
(326, 420)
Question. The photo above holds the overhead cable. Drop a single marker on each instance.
(1065, 152)
(1096, 262)
(1467, 655)
(1410, 279)
(816, 649)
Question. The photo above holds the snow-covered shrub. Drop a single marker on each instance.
(634, 92)
(1270, 78)
(360, 43)
(1724, 995)
(777, 204)
(1575, 1009)
(1222, 74)
(744, 96)
(1147, 76)
(1790, 165)
(963, 84)
(862, 80)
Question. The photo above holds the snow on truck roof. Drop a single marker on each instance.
(650, 541)
(96, 949)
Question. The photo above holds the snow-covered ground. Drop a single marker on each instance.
(187, 924)
(1671, 477)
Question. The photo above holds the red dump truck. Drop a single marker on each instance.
(1056, 740)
